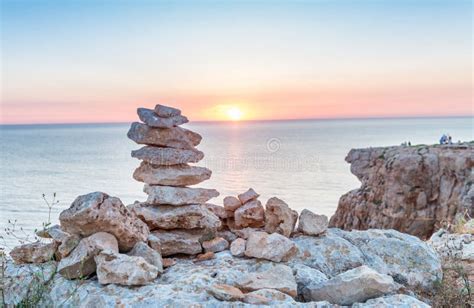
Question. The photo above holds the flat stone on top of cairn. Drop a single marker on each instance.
(174, 211)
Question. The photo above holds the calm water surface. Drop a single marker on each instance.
(301, 162)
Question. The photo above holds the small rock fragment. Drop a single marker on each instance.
(37, 252)
(168, 262)
(215, 245)
(231, 203)
(248, 195)
(237, 248)
(150, 255)
(205, 256)
(251, 214)
(279, 217)
(311, 223)
(226, 293)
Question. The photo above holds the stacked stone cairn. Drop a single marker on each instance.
(176, 214)
(124, 245)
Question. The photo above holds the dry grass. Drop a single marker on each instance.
(455, 289)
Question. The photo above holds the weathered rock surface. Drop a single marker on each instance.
(179, 241)
(251, 214)
(98, 212)
(19, 281)
(307, 279)
(123, 269)
(80, 262)
(215, 245)
(406, 258)
(248, 196)
(178, 195)
(37, 252)
(186, 282)
(278, 277)
(459, 247)
(167, 156)
(166, 112)
(193, 216)
(231, 203)
(176, 137)
(392, 301)
(279, 217)
(237, 247)
(354, 286)
(274, 247)
(150, 118)
(150, 255)
(177, 175)
(411, 189)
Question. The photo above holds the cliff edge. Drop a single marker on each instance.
(415, 189)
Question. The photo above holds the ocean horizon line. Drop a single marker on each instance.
(253, 121)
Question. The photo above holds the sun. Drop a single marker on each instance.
(234, 113)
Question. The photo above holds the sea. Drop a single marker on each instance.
(299, 161)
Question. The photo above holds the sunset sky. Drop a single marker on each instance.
(97, 61)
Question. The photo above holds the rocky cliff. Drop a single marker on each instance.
(414, 190)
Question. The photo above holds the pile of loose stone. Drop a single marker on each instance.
(125, 244)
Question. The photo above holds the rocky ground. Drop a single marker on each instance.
(361, 268)
(177, 250)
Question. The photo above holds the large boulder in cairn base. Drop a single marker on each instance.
(80, 262)
(182, 241)
(278, 277)
(176, 137)
(37, 252)
(279, 217)
(354, 286)
(178, 195)
(98, 212)
(311, 223)
(177, 175)
(251, 214)
(274, 247)
(150, 118)
(123, 269)
(167, 156)
(193, 216)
